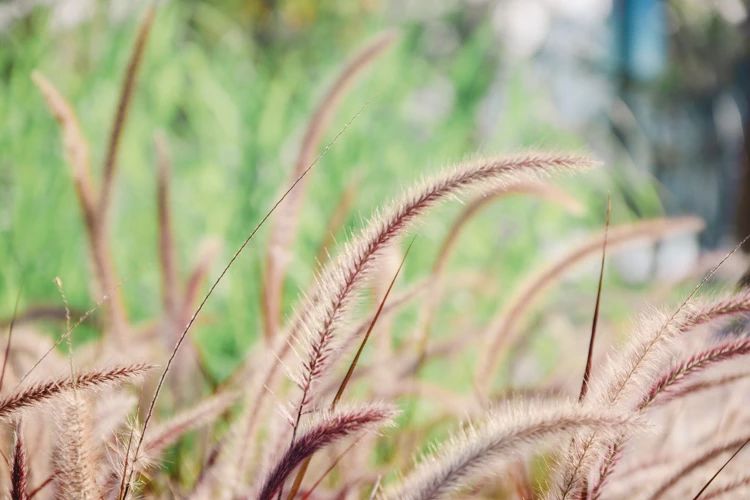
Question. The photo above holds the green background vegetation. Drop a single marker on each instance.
(232, 85)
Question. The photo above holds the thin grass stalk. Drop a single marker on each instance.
(329, 469)
(68, 321)
(6, 353)
(721, 469)
(189, 360)
(41, 486)
(176, 308)
(62, 338)
(728, 487)
(386, 267)
(197, 278)
(284, 227)
(394, 305)
(699, 461)
(597, 303)
(615, 450)
(503, 327)
(126, 478)
(352, 366)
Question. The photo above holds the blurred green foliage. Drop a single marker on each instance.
(231, 84)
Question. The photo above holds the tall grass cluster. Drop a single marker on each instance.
(317, 408)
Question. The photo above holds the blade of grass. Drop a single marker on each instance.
(10, 336)
(716, 474)
(595, 321)
(354, 362)
(345, 381)
(333, 465)
(121, 492)
(61, 339)
(41, 486)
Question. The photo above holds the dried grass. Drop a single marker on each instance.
(277, 427)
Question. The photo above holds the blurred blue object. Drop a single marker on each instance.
(641, 38)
